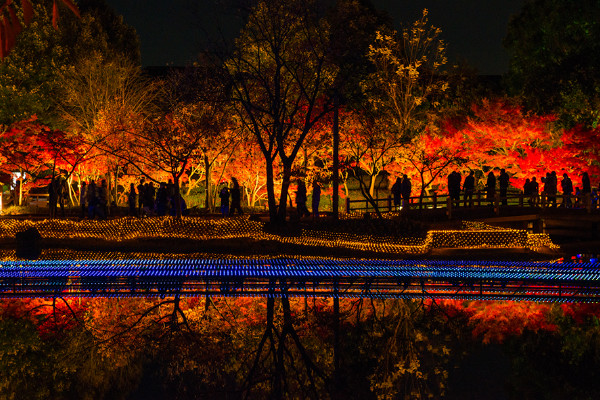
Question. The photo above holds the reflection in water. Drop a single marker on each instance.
(278, 347)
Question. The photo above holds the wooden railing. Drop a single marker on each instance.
(478, 200)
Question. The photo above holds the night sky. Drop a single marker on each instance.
(172, 31)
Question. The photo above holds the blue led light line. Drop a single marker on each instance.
(488, 280)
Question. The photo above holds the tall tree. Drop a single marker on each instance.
(401, 94)
(30, 74)
(353, 24)
(104, 101)
(279, 72)
(408, 80)
(197, 98)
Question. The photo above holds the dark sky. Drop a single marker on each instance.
(171, 31)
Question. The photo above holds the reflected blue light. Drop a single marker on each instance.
(461, 279)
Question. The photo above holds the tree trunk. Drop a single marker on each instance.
(372, 181)
(285, 184)
(177, 196)
(271, 192)
(207, 202)
(336, 162)
(116, 189)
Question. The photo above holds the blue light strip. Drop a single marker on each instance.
(303, 277)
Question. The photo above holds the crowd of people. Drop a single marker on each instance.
(235, 205)
(146, 199)
(549, 191)
(302, 198)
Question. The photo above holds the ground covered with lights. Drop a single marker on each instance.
(214, 346)
(393, 237)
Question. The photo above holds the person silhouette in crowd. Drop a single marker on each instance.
(490, 187)
(149, 198)
(551, 188)
(535, 192)
(102, 210)
(162, 197)
(567, 189)
(469, 189)
(397, 193)
(406, 191)
(454, 183)
(301, 198)
(224, 196)
(131, 201)
(503, 181)
(92, 199)
(62, 191)
(316, 198)
(236, 197)
(141, 191)
(586, 186)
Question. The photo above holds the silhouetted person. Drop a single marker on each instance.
(406, 191)
(141, 190)
(551, 187)
(503, 180)
(397, 193)
(102, 200)
(82, 198)
(301, 198)
(224, 196)
(567, 189)
(316, 199)
(162, 199)
(586, 186)
(454, 181)
(236, 198)
(535, 192)
(149, 198)
(490, 187)
(131, 201)
(92, 199)
(469, 189)
(62, 190)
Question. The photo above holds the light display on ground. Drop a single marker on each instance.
(109, 274)
(475, 235)
(312, 277)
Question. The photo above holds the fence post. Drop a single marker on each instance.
(449, 207)
(434, 200)
(521, 195)
(348, 205)
(479, 198)
(389, 203)
(497, 204)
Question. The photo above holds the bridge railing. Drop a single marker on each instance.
(479, 199)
